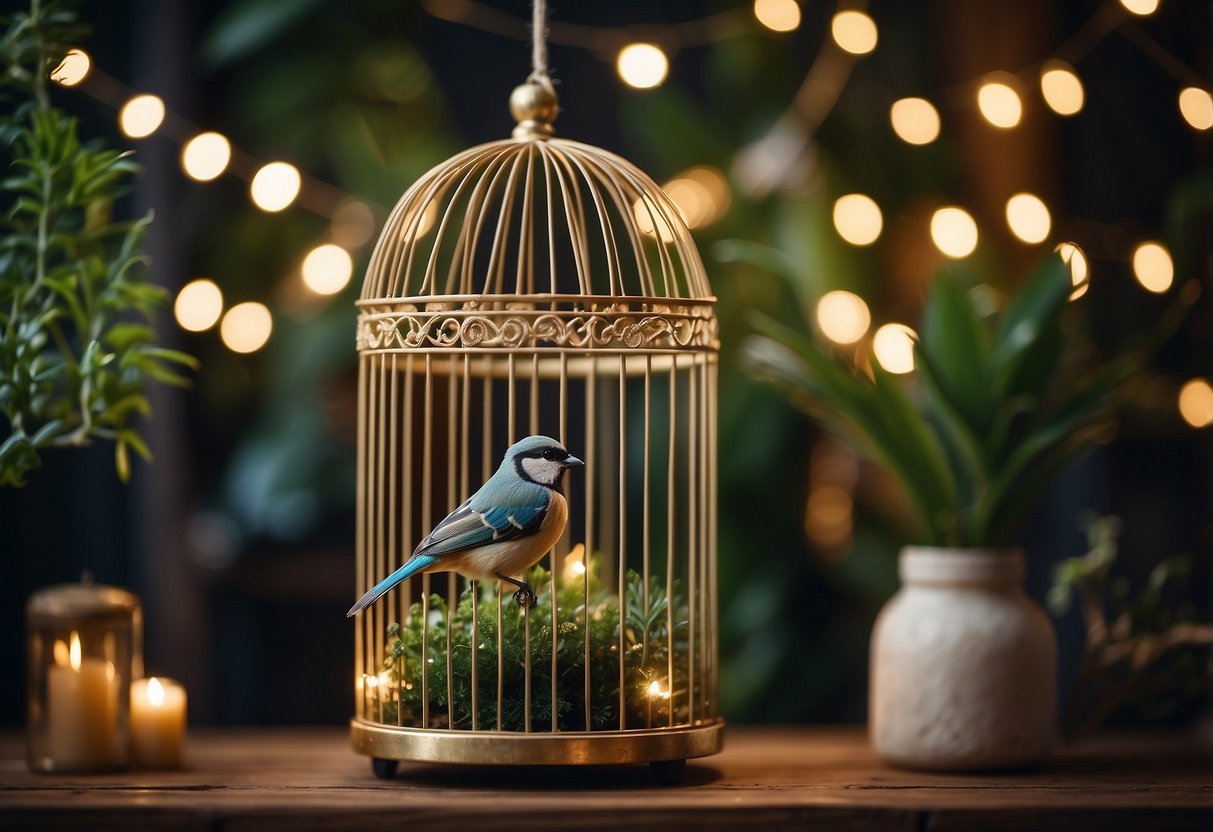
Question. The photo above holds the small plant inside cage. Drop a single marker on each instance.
(537, 287)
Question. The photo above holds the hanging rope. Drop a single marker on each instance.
(539, 44)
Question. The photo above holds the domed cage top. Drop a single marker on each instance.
(537, 285)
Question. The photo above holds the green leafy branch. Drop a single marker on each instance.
(76, 349)
(1139, 646)
(581, 630)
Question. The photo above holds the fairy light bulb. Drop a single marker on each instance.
(954, 232)
(73, 69)
(206, 156)
(1061, 88)
(141, 116)
(642, 65)
(778, 15)
(275, 186)
(843, 316)
(199, 305)
(1196, 403)
(1196, 107)
(999, 102)
(327, 269)
(1153, 267)
(1076, 259)
(854, 32)
(246, 327)
(915, 120)
(1028, 218)
(1141, 8)
(893, 346)
(857, 219)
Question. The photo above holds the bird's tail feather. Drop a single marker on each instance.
(378, 590)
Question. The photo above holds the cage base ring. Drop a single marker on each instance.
(420, 745)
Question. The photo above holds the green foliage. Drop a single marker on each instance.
(645, 645)
(76, 351)
(997, 413)
(1143, 649)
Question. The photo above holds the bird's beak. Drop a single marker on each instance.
(573, 462)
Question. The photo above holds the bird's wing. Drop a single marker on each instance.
(466, 528)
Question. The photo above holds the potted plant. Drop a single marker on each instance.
(963, 663)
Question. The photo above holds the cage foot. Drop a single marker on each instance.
(669, 772)
(384, 769)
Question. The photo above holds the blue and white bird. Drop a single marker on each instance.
(503, 529)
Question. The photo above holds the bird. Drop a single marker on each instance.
(503, 529)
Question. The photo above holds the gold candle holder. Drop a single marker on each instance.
(85, 644)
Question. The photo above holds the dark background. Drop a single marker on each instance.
(240, 537)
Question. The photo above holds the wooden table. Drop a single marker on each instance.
(767, 778)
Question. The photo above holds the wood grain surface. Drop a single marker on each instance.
(766, 778)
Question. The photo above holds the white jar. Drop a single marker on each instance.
(963, 664)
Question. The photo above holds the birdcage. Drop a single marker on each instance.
(540, 286)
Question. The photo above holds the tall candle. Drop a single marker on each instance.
(82, 707)
(157, 723)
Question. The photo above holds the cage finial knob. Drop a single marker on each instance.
(534, 106)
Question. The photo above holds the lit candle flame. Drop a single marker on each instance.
(74, 651)
(155, 693)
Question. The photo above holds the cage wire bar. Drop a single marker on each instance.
(538, 285)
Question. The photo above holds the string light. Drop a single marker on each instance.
(1196, 403)
(1140, 7)
(999, 102)
(275, 186)
(642, 65)
(246, 327)
(1028, 218)
(1061, 88)
(199, 305)
(854, 32)
(778, 15)
(954, 232)
(893, 346)
(1076, 259)
(915, 120)
(1152, 267)
(843, 316)
(141, 116)
(857, 219)
(327, 269)
(1196, 106)
(206, 156)
(73, 69)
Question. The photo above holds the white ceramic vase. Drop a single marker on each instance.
(963, 664)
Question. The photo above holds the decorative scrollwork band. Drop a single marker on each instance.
(667, 328)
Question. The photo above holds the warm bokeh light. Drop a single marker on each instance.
(1196, 403)
(1076, 259)
(73, 69)
(642, 65)
(999, 101)
(1028, 218)
(915, 120)
(651, 219)
(778, 15)
(701, 195)
(1152, 266)
(141, 116)
(843, 316)
(353, 224)
(857, 218)
(206, 156)
(829, 515)
(1061, 88)
(893, 346)
(275, 186)
(1196, 106)
(327, 269)
(854, 32)
(246, 327)
(199, 305)
(954, 231)
(155, 693)
(1140, 7)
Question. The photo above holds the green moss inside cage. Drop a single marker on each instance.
(649, 698)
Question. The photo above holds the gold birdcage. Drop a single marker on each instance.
(540, 286)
